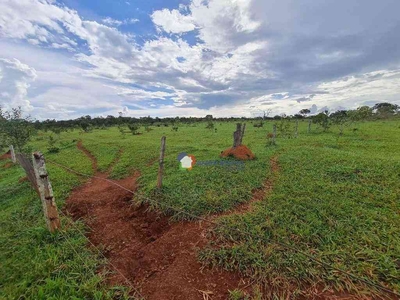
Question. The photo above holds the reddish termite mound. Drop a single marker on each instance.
(240, 152)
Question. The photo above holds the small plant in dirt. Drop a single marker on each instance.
(52, 148)
(238, 295)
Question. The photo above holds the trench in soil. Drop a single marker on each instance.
(159, 257)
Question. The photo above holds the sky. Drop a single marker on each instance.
(168, 58)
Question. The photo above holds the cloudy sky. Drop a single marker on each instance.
(65, 59)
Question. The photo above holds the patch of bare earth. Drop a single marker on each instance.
(158, 257)
(6, 155)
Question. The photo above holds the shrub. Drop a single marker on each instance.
(15, 129)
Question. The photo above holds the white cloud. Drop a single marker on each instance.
(172, 21)
(113, 22)
(247, 52)
(15, 79)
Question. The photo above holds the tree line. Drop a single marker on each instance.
(15, 129)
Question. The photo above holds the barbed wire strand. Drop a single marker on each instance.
(282, 244)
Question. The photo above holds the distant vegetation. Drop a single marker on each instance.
(324, 119)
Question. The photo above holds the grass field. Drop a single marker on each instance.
(334, 198)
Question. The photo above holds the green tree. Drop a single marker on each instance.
(15, 129)
(360, 114)
(304, 112)
(322, 119)
(386, 109)
(134, 128)
(340, 118)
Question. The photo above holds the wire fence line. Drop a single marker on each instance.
(246, 234)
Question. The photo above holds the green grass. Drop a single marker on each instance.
(34, 263)
(335, 198)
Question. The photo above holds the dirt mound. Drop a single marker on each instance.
(6, 155)
(158, 257)
(240, 152)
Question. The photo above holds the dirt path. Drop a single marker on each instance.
(160, 258)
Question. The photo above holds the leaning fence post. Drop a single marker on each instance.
(46, 192)
(12, 152)
(274, 135)
(161, 163)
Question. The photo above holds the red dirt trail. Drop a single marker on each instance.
(6, 155)
(159, 257)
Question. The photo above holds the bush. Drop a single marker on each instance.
(134, 129)
(52, 145)
(14, 129)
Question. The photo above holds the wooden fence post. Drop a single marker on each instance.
(12, 152)
(46, 192)
(242, 133)
(161, 163)
(274, 135)
(309, 126)
(237, 135)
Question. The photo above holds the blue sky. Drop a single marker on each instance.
(64, 59)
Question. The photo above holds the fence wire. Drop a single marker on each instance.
(246, 234)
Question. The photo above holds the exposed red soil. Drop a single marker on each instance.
(8, 165)
(88, 154)
(6, 155)
(158, 257)
(241, 152)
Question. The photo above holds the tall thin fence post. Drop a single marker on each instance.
(274, 135)
(242, 133)
(161, 163)
(12, 152)
(309, 126)
(237, 134)
(46, 192)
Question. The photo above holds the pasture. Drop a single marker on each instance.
(320, 197)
